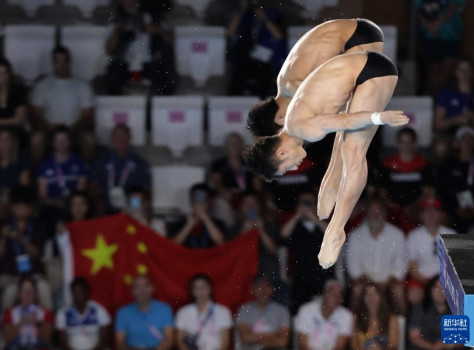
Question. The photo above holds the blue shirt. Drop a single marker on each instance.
(63, 177)
(144, 329)
(453, 101)
(452, 29)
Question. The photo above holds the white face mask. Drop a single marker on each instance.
(310, 225)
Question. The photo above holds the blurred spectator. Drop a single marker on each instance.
(145, 323)
(200, 229)
(12, 100)
(137, 23)
(377, 252)
(13, 169)
(458, 172)
(61, 98)
(139, 205)
(204, 324)
(63, 172)
(27, 325)
(423, 251)
(440, 30)
(84, 325)
(21, 248)
(119, 170)
(263, 324)
(251, 217)
(323, 323)
(374, 327)
(304, 234)
(453, 105)
(79, 206)
(89, 149)
(424, 331)
(406, 176)
(228, 173)
(257, 46)
(442, 149)
(37, 151)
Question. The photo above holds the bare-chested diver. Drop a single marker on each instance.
(318, 45)
(371, 79)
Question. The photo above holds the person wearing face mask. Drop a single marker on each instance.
(203, 324)
(377, 252)
(262, 323)
(303, 234)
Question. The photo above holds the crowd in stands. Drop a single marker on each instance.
(385, 287)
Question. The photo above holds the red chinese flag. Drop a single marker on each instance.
(110, 251)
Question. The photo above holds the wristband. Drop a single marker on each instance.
(376, 118)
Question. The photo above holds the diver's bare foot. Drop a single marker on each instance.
(332, 244)
(326, 200)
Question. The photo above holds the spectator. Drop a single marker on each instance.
(146, 323)
(85, 325)
(304, 234)
(61, 98)
(424, 331)
(37, 151)
(139, 205)
(21, 248)
(440, 31)
(452, 106)
(377, 251)
(263, 324)
(407, 175)
(27, 325)
(119, 170)
(79, 206)
(204, 324)
(258, 48)
(375, 327)
(200, 229)
(323, 323)
(138, 22)
(251, 217)
(13, 169)
(458, 172)
(12, 100)
(63, 172)
(423, 251)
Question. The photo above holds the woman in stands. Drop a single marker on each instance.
(27, 325)
(203, 324)
(375, 327)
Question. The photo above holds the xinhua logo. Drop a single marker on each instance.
(455, 329)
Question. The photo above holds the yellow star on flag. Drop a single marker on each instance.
(131, 229)
(101, 254)
(128, 279)
(141, 247)
(142, 269)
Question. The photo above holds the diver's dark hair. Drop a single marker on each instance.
(261, 159)
(261, 120)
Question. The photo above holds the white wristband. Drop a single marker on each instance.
(376, 118)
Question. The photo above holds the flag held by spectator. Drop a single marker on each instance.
(110, 251)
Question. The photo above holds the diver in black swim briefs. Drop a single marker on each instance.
(370, 78)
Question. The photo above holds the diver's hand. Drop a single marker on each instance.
(394, 118)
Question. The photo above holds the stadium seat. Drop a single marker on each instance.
(31, 6)
(171, 185)
(390, 34)
(112, 110)
(87, 45)
(226, 115)
(200, 52)
(420, 111)
(86, 6)
(295, 33)
(28, 48)
(197, 5)
(313, 7)
(177, 122)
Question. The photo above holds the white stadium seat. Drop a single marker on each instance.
(171, 185)
(229, 114)
(390, 46)
(420, 111)
(313, 7)
(87, 45)
(177, 122)
(28, 48)
(197, 5)
(129, 110)
(86, 6)
(31, 6)
(200, 52)
(295, 33)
